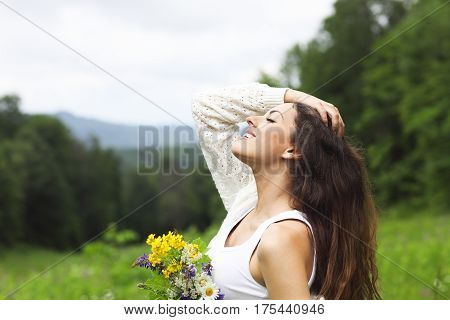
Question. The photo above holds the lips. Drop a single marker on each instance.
(249, 133)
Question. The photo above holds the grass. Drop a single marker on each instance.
(419, 244)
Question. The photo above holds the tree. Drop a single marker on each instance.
(12, 222)
(50, 209)
(406, 121)
(54, 191)
(10, 117)
(326, 65)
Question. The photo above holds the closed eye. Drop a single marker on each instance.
(270, 120)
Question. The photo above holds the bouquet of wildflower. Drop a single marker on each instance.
(178, 269)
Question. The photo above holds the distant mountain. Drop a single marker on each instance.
(111, 135)
(120, 136)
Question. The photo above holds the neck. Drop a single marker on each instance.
(273, 193)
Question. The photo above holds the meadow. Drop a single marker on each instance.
(411, 250)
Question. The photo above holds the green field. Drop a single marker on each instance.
(418, 244)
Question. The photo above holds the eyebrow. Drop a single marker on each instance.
(278, 112)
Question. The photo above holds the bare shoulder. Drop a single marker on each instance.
(280, 237)
(285, 257)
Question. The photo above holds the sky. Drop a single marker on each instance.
(164, 50)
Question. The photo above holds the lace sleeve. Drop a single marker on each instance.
(216, 114)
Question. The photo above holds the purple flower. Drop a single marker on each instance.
(221, 295)
(142, 261)
(185, 297)
(207, 268)
(192, 271)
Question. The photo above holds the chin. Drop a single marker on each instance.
(241, 151)
(236, 148)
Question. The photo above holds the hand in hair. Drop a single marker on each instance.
(324, 108)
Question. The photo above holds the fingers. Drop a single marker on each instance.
(334, 115)
(323, 113)
(341, 127)
(337, 121)
(327, 109)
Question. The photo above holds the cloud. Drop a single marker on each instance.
(164, 49)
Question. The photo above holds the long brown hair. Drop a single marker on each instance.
(330, 185)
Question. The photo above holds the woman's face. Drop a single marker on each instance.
(267, 140)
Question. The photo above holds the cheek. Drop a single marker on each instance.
(275, 142)
(268, 146)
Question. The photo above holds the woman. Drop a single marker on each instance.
(301, 220)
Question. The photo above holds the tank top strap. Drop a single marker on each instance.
(292, 214)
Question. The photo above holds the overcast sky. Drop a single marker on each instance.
(166, 50)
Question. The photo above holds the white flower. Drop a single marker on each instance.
(203, 279)
(172, 293)
(198, 256)
(210, 291)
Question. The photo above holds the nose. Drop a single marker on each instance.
(251, 121)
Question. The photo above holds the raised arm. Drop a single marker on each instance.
(216, 114)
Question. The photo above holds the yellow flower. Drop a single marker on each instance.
(160, 246)
(174, 240)
(154, 260)
(159, 251)
(150, 239)
(174, 266)
(166, 273)
(177, 242)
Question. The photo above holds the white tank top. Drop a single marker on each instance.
(231, 265)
